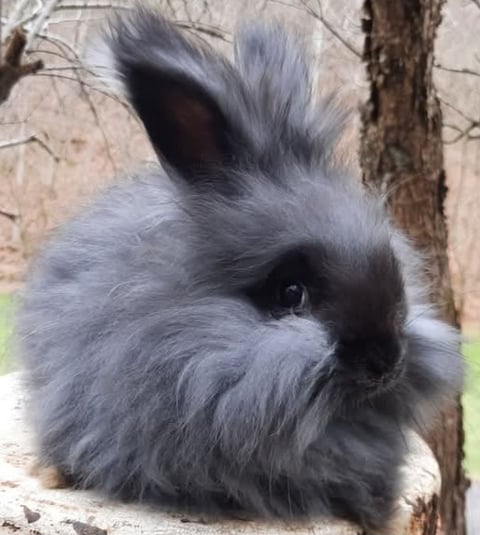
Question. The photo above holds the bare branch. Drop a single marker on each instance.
(64, 68)
(210, 31)
(332, 30)
(45, 52)
(457, 71)
(16, 16)
(87, 96)
(463, 134)
(319, 15)
(29, 139)
(41, 20)
(9, 215)
(64, 46)
(11, 67)
(456, 110)
(86, 5)
(90, 86)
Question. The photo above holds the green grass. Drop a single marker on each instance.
(471, 405)
(471, 398)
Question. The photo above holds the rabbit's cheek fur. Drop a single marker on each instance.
(260, 386)
(434, 365)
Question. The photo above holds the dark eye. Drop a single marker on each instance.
(289, 288)
(291, 294)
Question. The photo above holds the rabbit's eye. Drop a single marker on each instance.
(291, 295)
(288, 287)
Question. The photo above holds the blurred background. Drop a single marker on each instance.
(63, 136)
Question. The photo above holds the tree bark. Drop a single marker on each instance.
(401, 154)
(11, 68)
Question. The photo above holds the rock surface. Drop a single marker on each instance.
(27, 508)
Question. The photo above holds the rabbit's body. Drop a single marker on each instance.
(243, 336)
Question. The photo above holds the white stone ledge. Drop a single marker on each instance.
(27, 508)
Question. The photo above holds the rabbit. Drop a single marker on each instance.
(241, 329)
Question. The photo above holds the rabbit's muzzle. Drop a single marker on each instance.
(372, 363)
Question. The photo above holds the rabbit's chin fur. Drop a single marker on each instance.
(158, 369)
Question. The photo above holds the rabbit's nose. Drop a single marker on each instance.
(376, 358)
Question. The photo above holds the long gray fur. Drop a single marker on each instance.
(155, 372)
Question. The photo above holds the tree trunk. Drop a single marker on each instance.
(401, 154)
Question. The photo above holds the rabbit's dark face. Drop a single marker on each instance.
(361, 307)
(300, 257)
(360, 304)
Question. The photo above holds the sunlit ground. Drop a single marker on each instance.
(471, 399)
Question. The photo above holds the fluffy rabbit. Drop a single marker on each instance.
(243, 330)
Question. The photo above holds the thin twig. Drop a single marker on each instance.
(64, 68)
(9, 215)
(328, 25)
(93, 6)
(210, 31)
(463, 134)
(29, 139)
(41, 20)
(15, 17)
(83, 88)
(456, 110)
(59, 42)
(457, 71)
(90, 86)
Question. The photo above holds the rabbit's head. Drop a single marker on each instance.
(295, 302)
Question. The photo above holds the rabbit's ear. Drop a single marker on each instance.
(178, 90)
(275, 66)
(273, 63)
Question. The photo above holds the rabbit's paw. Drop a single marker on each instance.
(51, 477)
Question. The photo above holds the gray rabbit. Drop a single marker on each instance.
(243, 331)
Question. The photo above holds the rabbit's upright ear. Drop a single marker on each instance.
(179, 91)
(275, 66)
